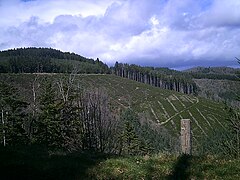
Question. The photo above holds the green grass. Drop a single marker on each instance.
(38, 163)
(167, 167)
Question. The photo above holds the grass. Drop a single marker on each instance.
(167, 167)
(38, 163)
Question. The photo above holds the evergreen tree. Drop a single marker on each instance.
(48, 124)
(130, 143)
(13, 116)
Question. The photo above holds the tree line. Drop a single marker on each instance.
(158, 77)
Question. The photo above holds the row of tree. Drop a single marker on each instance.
(158, 77)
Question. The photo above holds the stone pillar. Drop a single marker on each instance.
(186, 143)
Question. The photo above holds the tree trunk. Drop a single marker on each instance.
(3, 131)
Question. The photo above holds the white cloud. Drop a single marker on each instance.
(152, 32)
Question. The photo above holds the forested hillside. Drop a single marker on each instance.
(192, 81)
(47, 60)
(223, 73)
(206, 82)
(102, 111)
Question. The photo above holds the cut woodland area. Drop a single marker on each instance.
(64, 116)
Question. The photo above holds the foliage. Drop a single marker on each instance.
(129, 140)
(105, 97)
(223, 142)
(232, 144)
(48, 125)
(47, 60)
(13, 116)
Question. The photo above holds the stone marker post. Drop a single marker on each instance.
(186, 143)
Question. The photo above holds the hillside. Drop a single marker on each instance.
(47, 60)
(160, 108)
(223, 73)
(213, 70)
(217, 83)
(193, 81)
(219, 90)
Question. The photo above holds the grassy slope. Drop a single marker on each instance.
(167, 167)
(162, 107)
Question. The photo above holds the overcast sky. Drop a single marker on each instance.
(172, 33)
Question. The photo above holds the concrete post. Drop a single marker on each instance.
(186, 143)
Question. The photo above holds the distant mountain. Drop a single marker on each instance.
(214, 70)
(217, 83)
(47, 60)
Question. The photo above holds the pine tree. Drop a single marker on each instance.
(48, 124)
(129, 139)
(13, 116)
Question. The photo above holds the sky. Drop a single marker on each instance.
(166, 33)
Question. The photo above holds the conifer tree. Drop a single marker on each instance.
(13, 116)
(129, 140)
(48, 124)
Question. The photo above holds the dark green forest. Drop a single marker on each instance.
(47, 60)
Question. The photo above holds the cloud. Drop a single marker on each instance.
(149, 32)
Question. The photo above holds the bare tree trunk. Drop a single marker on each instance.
(4, 135)
(65, 93)
(35, 87)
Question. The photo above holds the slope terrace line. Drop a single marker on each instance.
(204, 118)
(165, 112)
(154, 114)
(189, 99)
(197, 123)
(162, 123)
(175, 109)
(210, 107)
(179, 101)
(215, 119)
